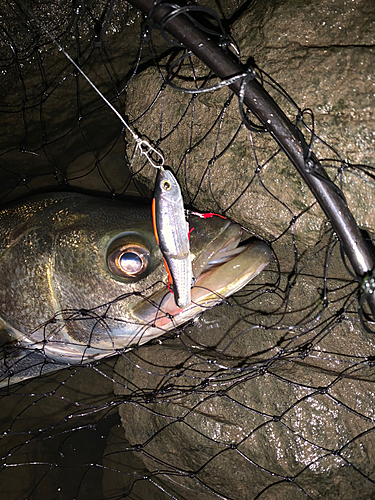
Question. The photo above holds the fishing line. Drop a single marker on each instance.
(168, 213)
(293, 348)
(142, 145)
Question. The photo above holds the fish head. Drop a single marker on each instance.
(82, 278)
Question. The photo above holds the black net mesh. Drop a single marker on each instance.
(268, 395)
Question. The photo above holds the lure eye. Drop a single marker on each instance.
(129, 261)
(166, 185)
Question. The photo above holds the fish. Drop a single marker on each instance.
(172, 235)
(82, 278)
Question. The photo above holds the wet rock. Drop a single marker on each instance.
(273, 395)
(323, 57)
(257, 398)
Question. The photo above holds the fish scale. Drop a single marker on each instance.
(65, 297)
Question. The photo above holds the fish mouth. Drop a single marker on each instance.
(221, 264)
(221, 267)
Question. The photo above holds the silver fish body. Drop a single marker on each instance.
(171, 231)
(82, 278)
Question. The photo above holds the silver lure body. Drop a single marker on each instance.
(171, 232)
(81, 279)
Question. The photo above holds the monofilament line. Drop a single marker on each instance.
(144, 147)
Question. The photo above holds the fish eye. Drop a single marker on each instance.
(129, 261)
(166, 185)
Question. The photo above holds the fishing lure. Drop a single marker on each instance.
(172, 235)
(168, 208)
